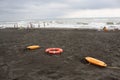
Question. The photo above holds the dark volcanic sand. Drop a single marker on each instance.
(16, 63)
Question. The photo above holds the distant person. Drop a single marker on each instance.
(105, 29)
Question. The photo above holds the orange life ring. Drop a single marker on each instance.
(54, 50)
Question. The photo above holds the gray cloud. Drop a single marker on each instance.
(24, 9)
(95, 4)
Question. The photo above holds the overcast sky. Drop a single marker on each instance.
(40, 9)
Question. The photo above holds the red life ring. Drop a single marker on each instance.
(54, 50)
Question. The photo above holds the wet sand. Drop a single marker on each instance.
(17, 63)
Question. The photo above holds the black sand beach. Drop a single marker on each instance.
(16, 63)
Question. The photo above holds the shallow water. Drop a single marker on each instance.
(84, 23)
